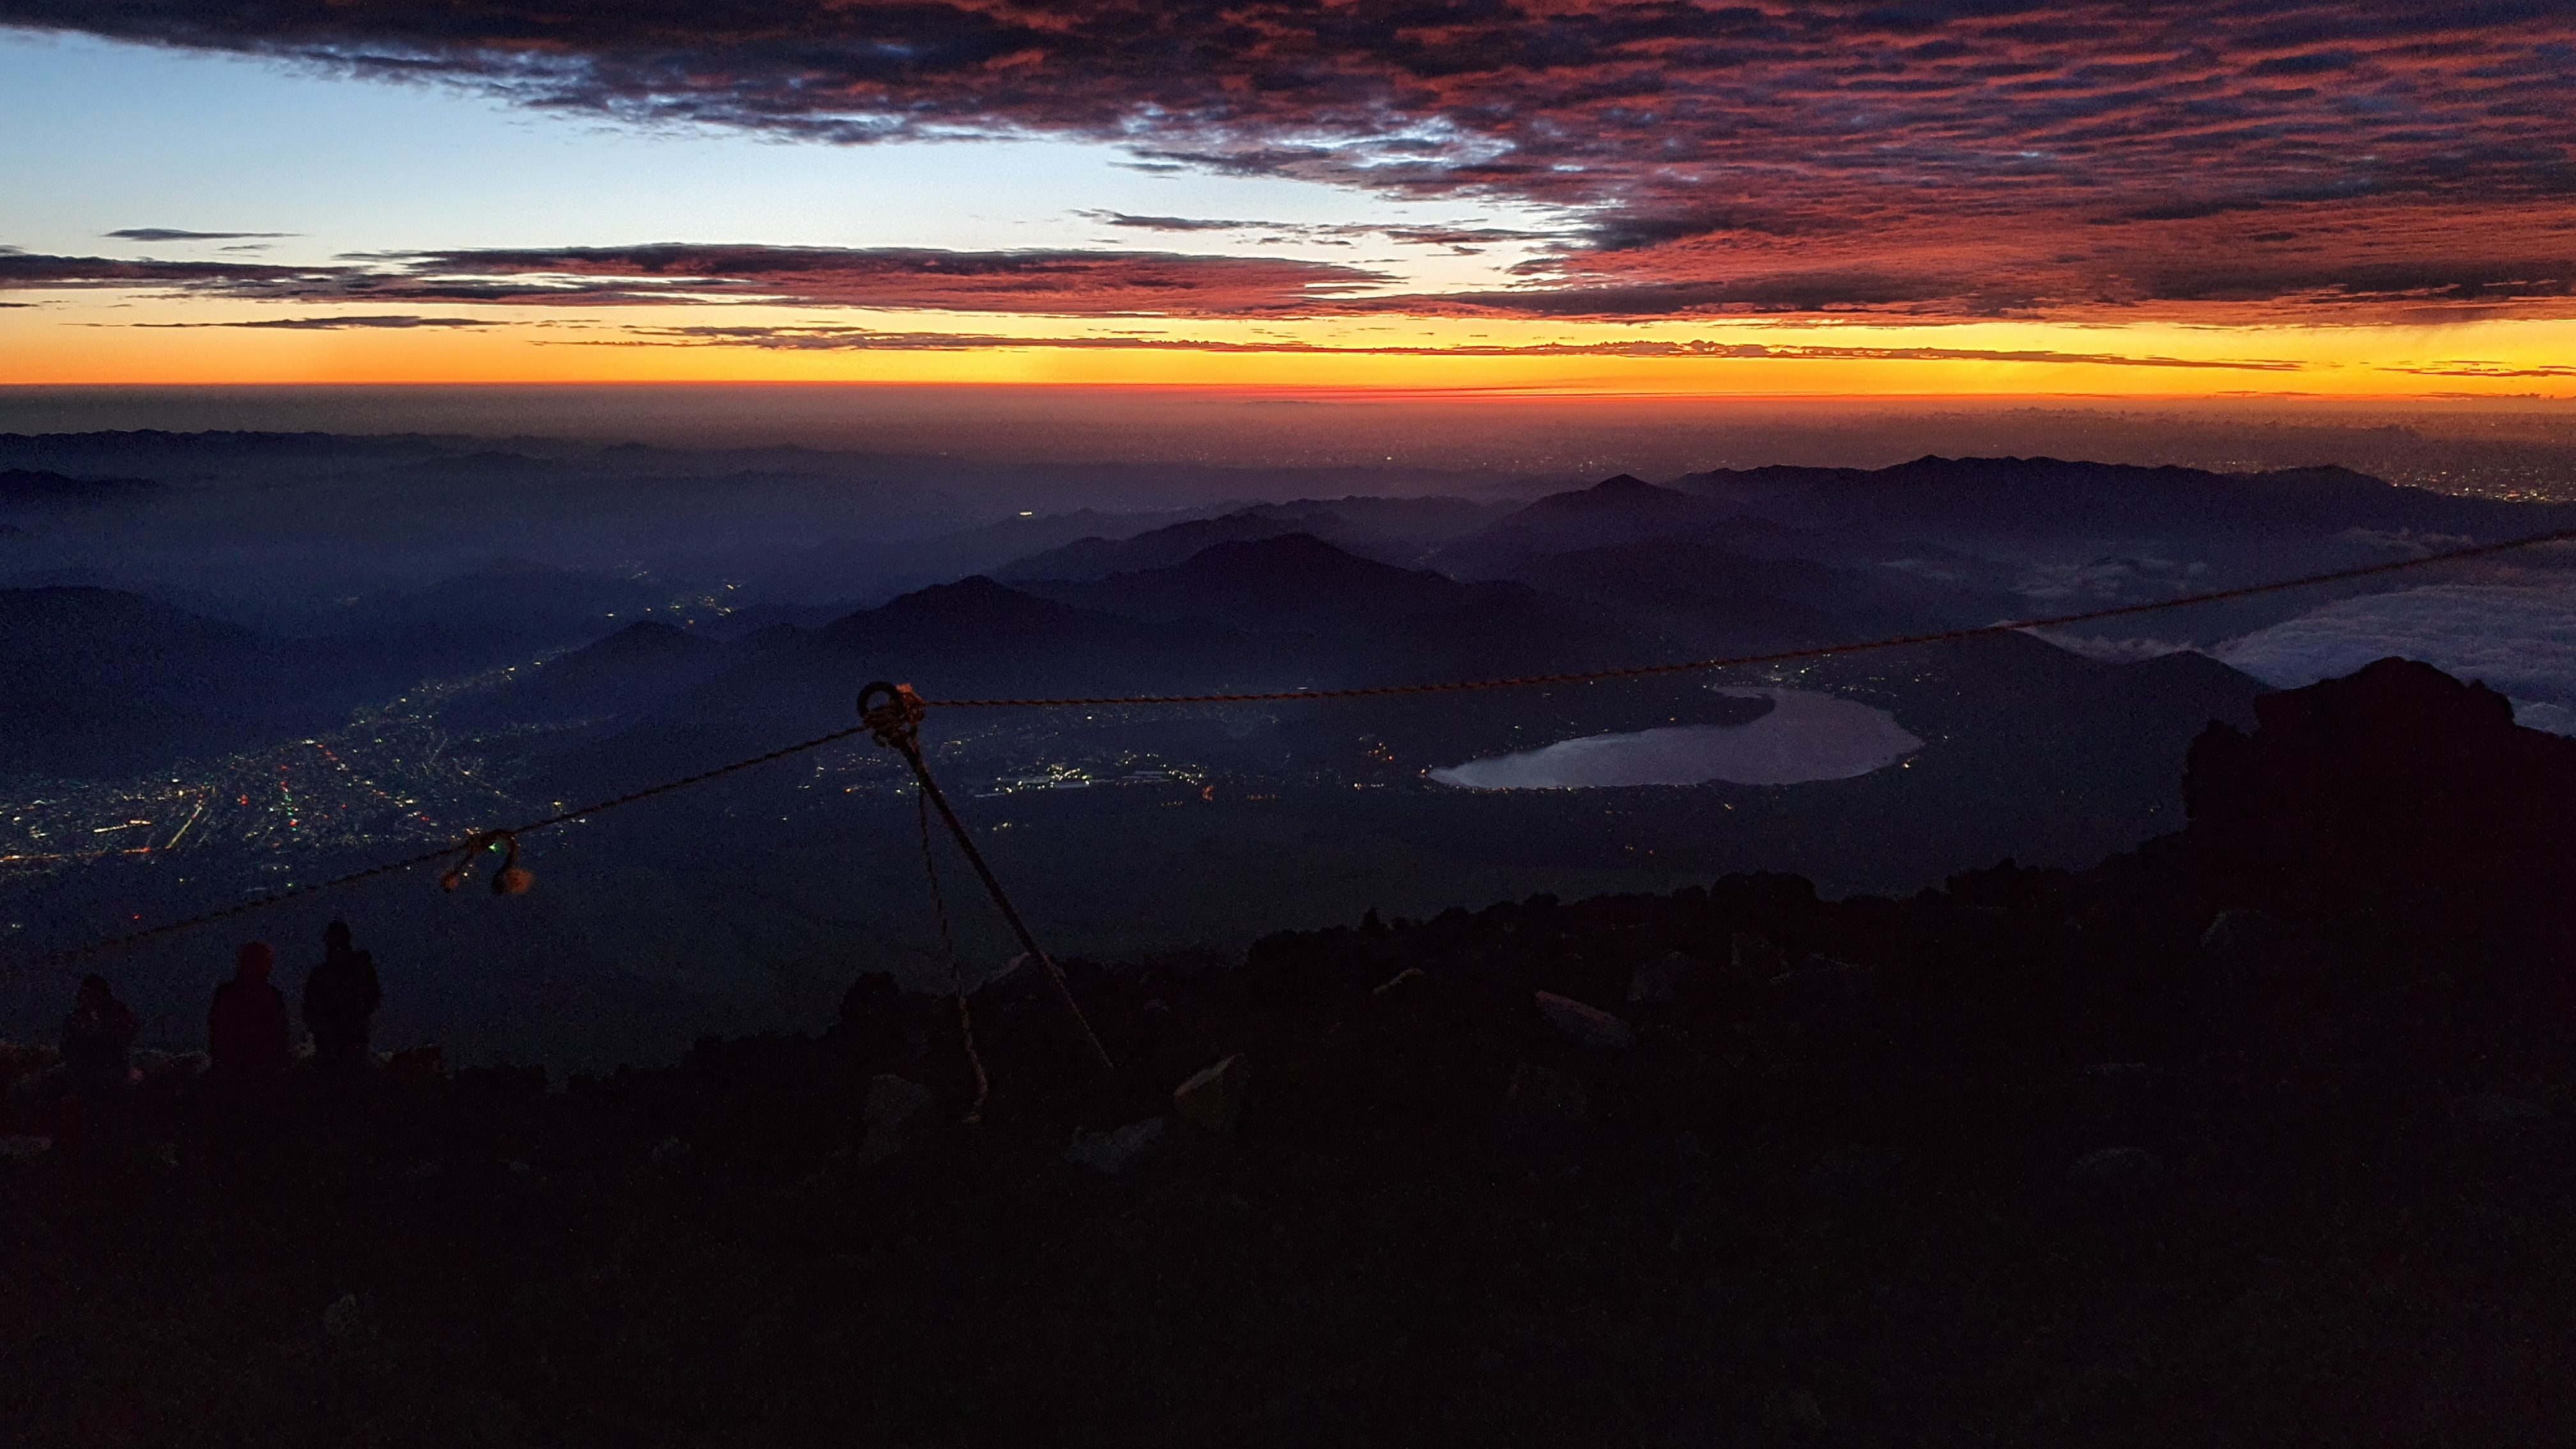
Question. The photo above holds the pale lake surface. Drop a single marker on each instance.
(1805, 736)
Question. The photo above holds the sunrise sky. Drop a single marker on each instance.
(2146, 199)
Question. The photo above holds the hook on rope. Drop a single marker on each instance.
(897, 722)
(509, 880)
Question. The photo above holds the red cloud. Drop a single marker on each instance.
(2229, 158)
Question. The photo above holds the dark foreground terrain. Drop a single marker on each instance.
(2257, 1135)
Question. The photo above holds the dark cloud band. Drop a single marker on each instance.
(857, 339)
(176, 234)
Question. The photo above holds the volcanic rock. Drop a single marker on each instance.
(1213, 1099)
(1585, 1026)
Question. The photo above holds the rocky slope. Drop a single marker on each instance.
(2251, 1136)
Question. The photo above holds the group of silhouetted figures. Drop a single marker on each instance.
(249, 1040)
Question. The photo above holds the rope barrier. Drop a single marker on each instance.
(956, 971)
(480, 840)
(465, 847)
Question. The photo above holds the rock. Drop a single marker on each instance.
(2118, 1174)
(1852, 1173)
(173, 1068)
(1214, 1098)
(1585, 1026)
(416, 1064)
(1793, 1412)
(1115, 1151)
(670, 1152)
(1668, 978)
(895, 1110)
(22, 1148)
(2119, 1097)
(32, 1088)
(341, 1319)
(2250, 950)
(1751, 958)
(2496, 1120)
(1826, 982)
(893, 1103)
(1544, 1096)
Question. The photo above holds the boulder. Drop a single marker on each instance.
(1214, 1098)
(1585, 1026)
(2122, 1097)
(1117, 1150)
(1544, 1111)
(1826, 982)
(2494, 1120)
(2118, 1174)
(1544, 1094)
(2251, 950)
(343, 1318)
(894, 1110)
(1666, 980)
(1751, 958)
(1854, 1173)
(416, 1064)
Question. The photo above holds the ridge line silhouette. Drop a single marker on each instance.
(475, 839)
(1685, 666)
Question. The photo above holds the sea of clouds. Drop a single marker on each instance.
(2520, 639)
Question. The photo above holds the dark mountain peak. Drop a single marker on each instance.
(1287, 557)
(2390, 698)
(1097, 557)
(1624, 491)
(974, 590)
(512, 566)
(975, 602)
(2398, 773)
(88, 606)
(653, 637)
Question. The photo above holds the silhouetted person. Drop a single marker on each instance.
(872, 1031)
(246, 1032)
(340, 999)
(98, 1046)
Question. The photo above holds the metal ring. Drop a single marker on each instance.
(882, 686)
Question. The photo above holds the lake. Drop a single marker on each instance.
(1804, 736)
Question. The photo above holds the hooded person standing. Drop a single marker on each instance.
(246, 1032)
(340, 1000)
(98, 1045)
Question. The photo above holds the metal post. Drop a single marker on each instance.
(897, 724)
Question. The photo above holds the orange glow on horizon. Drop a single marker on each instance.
(95, 339)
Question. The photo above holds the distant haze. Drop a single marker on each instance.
(2496, 447)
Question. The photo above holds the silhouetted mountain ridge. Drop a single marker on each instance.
(33, 488)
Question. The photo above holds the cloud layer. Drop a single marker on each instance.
(1054, 283)
(2229, 159)
(2518, 638)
